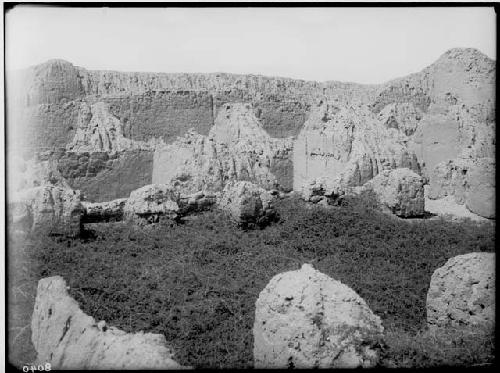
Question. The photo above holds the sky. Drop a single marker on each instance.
(363, 45)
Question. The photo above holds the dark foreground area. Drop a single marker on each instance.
(197, 282)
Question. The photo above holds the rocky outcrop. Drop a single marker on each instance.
(235, 123)
(346, 147)
(454, 132)
(436, 140)
(470, 182)
(237, 148)
(65, 337)
(247, 204)
(191, 162)
(456, 96)
(237, 127)
(459, 126)
(462, 292)
(305, 319)
(462, 75)
(449, 178)
(47, 209)
(399, 191)
(151, 202)
(481, 193)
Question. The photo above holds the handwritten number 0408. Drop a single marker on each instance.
(27, 368)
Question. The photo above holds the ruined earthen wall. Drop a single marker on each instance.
(41, 127)
(101, 176)
(43, 106)
(164, 114)
(118, 177)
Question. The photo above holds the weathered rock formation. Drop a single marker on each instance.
(456, 99)
(443, 112)
(155, 201)
(99, 131)
(341, 147)
(449, 178)
(399, 191)
(49, 209)
(481, 193)
(237, 148)
(305, 319)
(247, 204)
(65, 337)
(456, 96)
(462, 292)
(40, 199)
(151, 202)
(471, 181)
(48, 98)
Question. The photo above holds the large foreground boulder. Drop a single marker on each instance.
(47, 209)
(305, 319)
(64, 336)
(247, 204)
(399, 191)
(462, 292)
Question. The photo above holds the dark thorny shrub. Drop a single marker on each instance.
(197, 282)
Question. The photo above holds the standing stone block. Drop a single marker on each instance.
(399, 191)
(462, 292)
(247, 204)
(305, 319)
(67, 338)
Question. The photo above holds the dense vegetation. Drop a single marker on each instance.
(197, 282)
